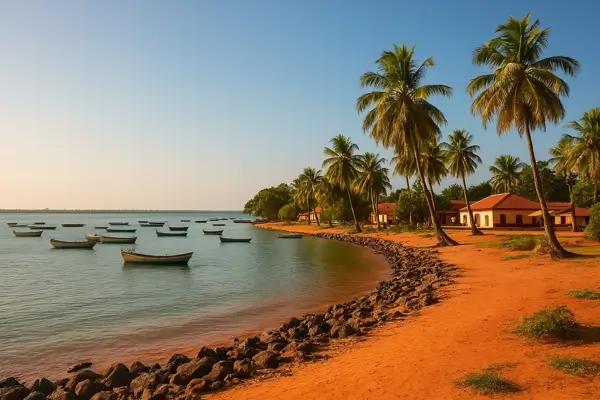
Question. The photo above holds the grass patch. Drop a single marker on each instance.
(584, 250)
(516, 257)
(547, 324)
(574, 366)
(520, 242)
(488, 382)
(585, 294)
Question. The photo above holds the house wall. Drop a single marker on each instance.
(579, 221)
(383, 218)
(495, 218)
(302, 218)
(486, 218)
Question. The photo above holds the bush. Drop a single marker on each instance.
(547, 324)
(585, 294)
(488, 382)
(521, 242)
(592, 230)
(574, 366)
(289, 212)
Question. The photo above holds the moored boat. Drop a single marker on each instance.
(161, 234)
(121, 230)
(38, 227)
(178, 228)
(39, 223)
(72, 225)
(290, 236)
(27, 233)
(185, 220)
(218, 224)
(61, 244)
(119, 223)
(242, 221)
(93, 237)
(100, 227)
(211, 232)
(201, 221)
(143, 222)
(19, 226)
(234, 240)
(11, 223)
(130, 257)
(118, 240)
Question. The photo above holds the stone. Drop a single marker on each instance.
(105, 395)
(266, 359)
(216, 385)
(197, 386)
(36, 396)
(43, 385)
(86, 389)
(62, 394)
(117, 375)
(195, 369)
(292, 323)
(220, 370)
(79, 366)
(175, 361)
(243, 366)
(319, 328)
(138, 368)
(250, 343)
(15, 392)
(9, 382)
(206, 352)
(149, 380)
(221, 353)
(342, 330)
(82, 376)
(276, 346)
(271, 336)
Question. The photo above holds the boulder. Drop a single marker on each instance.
(43, 385)
(9, 382)
(341, 330)
(62, 394)
(146, 380)
(16, 392)
(271, 336)
(80, 366)
(36, 396)
(106, 395)
(175, 361)
(221, 353)
(86, 389)
(216, 385)
(243, 368)
(195, 369)
(276, 346)
(197, 386)
(117, 375)
(318, 329)
(138, 368)
(220, 370)
(82, 376)
(266, 359)
(251, 343)
(292, 323)
(206, 352)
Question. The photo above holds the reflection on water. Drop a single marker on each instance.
(69, 306)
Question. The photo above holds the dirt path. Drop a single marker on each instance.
(422, 357)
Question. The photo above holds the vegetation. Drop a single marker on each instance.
(306, 187)
(489, 381)
(506, 171)
(522, 91)
(575, 366)
(520, 242)
(592, 230)
(585, 294)
(267, 202)
(372, 180)
(547, 324)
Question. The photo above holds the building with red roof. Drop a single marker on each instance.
(315, 212)
(387, 213)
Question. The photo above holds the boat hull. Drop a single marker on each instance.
(118, 240)
(37, 228)
(28, 233)
(200, 222)
(101, 227)
(59, 244)
(118, 223)
(93, 238)
(178, 228)
(234, 240)
(242, 221)
(171, 234)
(218, 224)
(153, 224)
(137, 258)
(73, 225)
(212, 232)
(114, 230)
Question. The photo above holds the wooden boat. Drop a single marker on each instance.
(129, 257)
(19, 226)
(185, 220)
(218, 224)
(153, 224)
(143, 222)
(178, 228)
(201, 221)
(11, 223)
(119, 223)
(234, 240)
(242, 221)
(209, 232)
(156, 222)
(118, 240)
(38, 227)
(161, 234)
(27, 233)
(101, 227)
(73, 225)
(121, 230)
(61, 244)
(39, 223)
(290, 236)
(93, 237)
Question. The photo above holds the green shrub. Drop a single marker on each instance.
(487, 383)
(521, 242)
(585, 294)
(592, 230)
(547, 324)
(574, 366)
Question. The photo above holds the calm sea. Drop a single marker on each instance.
(59, 307)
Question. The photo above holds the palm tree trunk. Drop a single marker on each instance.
(443, 238)
(353, 213)
(375, 211)
(432, 198)
(573, 220)
(595, 191)
(474, 230)
(556, 250)
(315, 211)
(308, 217)
(410, 211)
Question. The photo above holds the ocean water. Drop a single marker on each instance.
(59, 307)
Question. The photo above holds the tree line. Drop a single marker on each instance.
(521, 91)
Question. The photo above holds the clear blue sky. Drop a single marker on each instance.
(198, 104)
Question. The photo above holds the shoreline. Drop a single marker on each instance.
(409, 288)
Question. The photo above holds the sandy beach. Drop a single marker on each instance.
(423, 356)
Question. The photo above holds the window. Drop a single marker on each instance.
(487, 220)
(477, 219)
(502, 219)
(563, 220)
(519, 220)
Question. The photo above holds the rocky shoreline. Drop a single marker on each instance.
(416, 276)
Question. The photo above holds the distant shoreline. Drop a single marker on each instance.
(48, 211)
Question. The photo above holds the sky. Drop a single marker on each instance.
(145, 104)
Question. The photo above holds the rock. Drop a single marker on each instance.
(149, 380)
(117, 375)
(271, 337)
(36, 396)
(292, 323)
(175, 361)
(9, 382)
(106, 395)
(138, 368)
(82, 376)
(195, 369)
(43, 385)
(86, 389)
(207, 352)
(276, 346)
(341, 330)
(220, 370)
(243, 367)
(251, 343)
(266, 359)
(62, 394)
(62, 382)
(318, 329)
(197, 386)
(216, 385)
(221, 353)
(298, 332)
(79, 366)
(14, 392)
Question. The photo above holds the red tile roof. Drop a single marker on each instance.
(504, 201)
(579, 212)
(386, 208)
(558, 205)
(317, 209)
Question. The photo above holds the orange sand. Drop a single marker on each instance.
(422, 357)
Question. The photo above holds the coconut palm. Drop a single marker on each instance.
(342, 167)
(398, 113)
(563, 165)
(372, 179)
(404, 164)
(327, 195)
(522, 91)
(585, 150)
(434, 166)
(308, 183)
(506, 171)
(462, 160)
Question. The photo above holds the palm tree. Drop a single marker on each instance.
(585, 151)
(522, 91)
(434, 166)
(563, 165)
(327, 194)
(398, 113)
(404, 164)
(342, 163)
(505, 173)
(462, 159)
(373, 180)
(309, 180)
